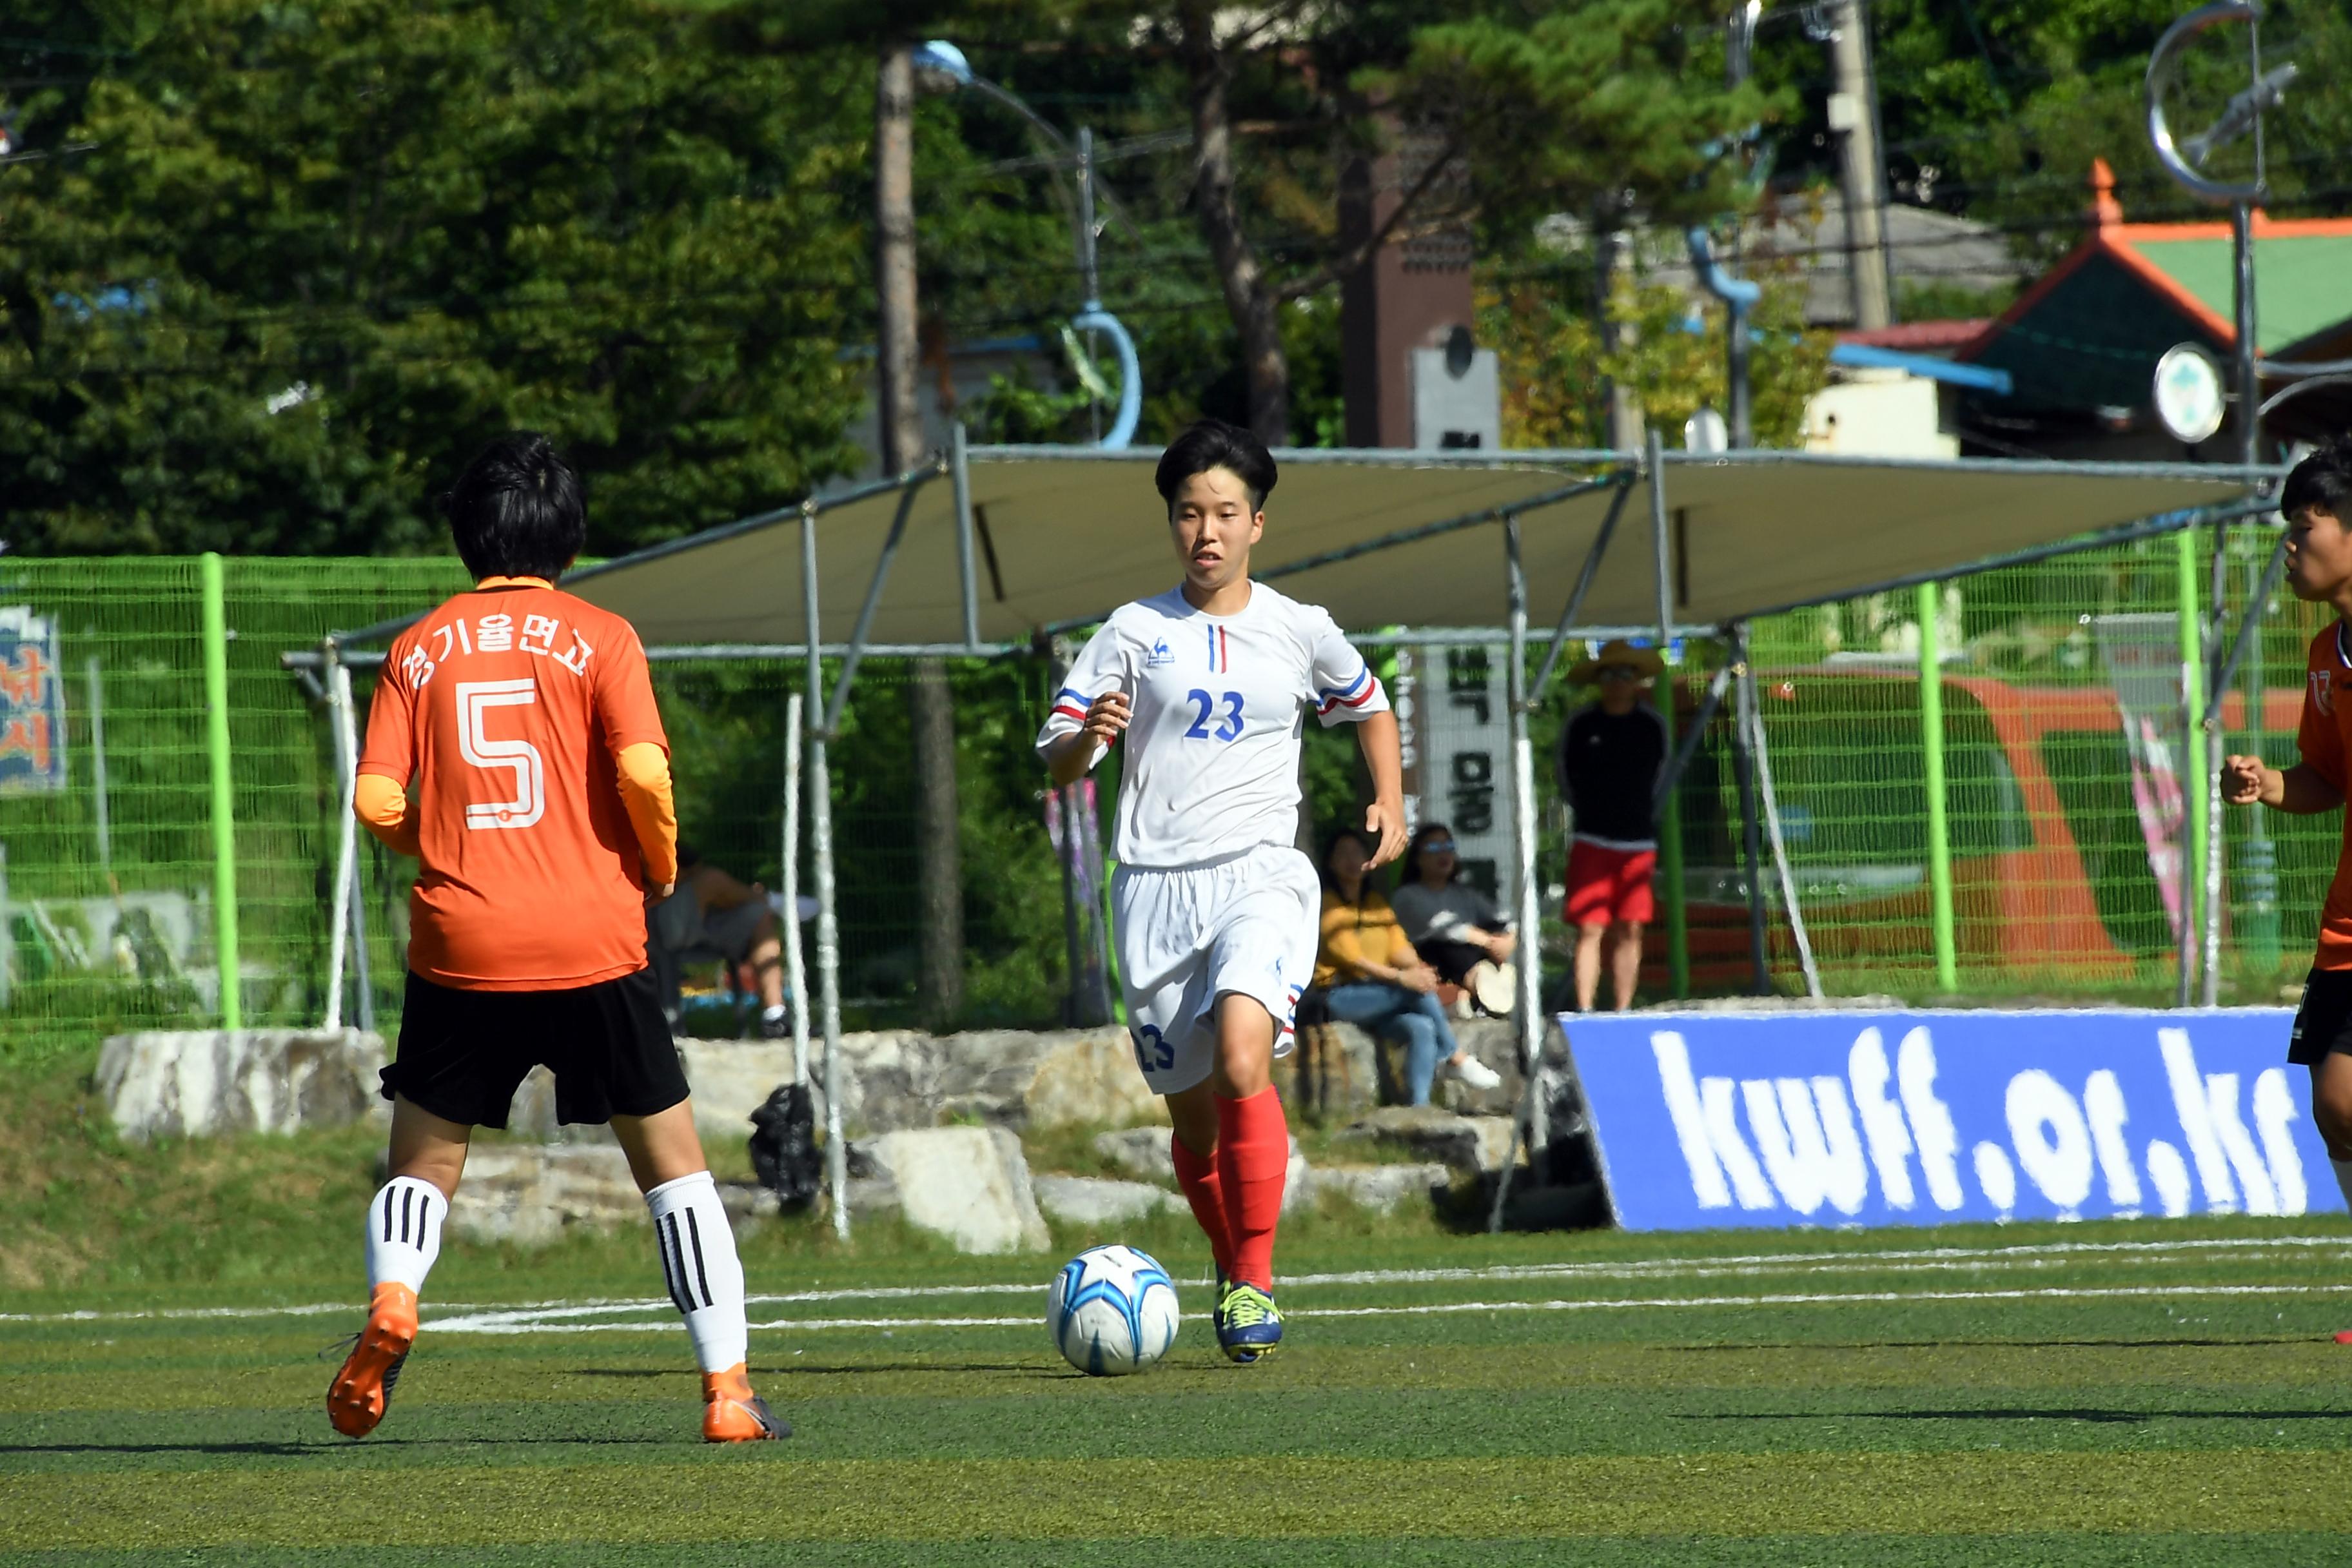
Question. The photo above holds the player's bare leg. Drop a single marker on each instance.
(699, 1265)
(1625, 961)
(1588, 965)
(426, 1158)
(2331, 1115)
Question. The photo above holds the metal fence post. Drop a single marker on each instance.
(788, 875)
(1939, 826)
(224, 803)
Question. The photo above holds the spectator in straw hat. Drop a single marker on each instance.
(1612, 754)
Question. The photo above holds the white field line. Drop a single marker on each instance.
(497, 1323)
(1898, 1261)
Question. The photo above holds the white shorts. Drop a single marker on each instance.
(1246, 926)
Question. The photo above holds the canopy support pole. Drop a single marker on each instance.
(959, 475)
(339, 697)
(1751, 847)
(857, 634)
(828, 928)
(1692, 736)
(1527, 1010)
(2215, 874)
(788, 877)
(2194, 797)
(1657, 467)
(1763, 755)
(1591, 568)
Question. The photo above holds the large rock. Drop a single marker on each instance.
(1095, 1201)
(899, 1079)
(197, 1083)
(1386, 1188)
(969, 1184)
(531, 1194)
(1460, 1142)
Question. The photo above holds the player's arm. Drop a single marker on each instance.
(387, 761)
(1346, 691)
(1091, 709)
(622, 687)
(1384, 759)
(651, 801)
(383, 808)
(2300, 791)
(1068, 758)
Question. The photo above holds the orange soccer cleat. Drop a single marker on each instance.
(361, 1392)
(731, 1412)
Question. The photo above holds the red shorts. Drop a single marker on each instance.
(1606, 885)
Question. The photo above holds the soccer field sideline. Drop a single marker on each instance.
(576, 1316)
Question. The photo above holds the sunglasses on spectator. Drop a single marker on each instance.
(1438, 846)
(1620, 672)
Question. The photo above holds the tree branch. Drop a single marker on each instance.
(1355, 255)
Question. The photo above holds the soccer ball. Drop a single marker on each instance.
(1112, 1310)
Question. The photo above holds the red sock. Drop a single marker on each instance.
(1197, 1174)
(1253, 1159)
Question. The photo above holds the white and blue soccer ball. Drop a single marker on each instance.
(1112, 1310)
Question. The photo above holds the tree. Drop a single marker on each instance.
(1589, 104)
(314, 254)
(1995, 108)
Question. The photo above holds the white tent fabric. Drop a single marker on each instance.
(1062, 536)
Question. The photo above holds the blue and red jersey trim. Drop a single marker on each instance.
(1071, 704)
(1221, 656)
(1355, 694)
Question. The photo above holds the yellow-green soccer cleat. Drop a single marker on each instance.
(1249, 1325)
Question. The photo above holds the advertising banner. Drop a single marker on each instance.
(1707, 1121)
(32, 703)
(1457, 741)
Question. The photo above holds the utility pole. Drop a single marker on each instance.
(1611, 254)
(1853, 116)
(931, 699)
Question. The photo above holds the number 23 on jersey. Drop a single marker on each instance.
(1229, 720)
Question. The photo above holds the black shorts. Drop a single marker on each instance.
(463, 1053)
(2323, 1021)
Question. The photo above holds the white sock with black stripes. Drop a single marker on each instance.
(698, 1261)
(404, 1234)
(2344, 1179)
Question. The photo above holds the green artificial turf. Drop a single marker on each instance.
(2148, 1393)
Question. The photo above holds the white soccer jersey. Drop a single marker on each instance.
(1216, 712)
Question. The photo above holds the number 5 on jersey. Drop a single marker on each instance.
(520, 757)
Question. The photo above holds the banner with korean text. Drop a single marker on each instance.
(1843, 1118)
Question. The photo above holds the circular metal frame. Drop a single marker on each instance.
(2160, 75)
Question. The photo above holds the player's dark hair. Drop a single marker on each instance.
(518, 510)
(1331, 846)
(1213, 444)
(2321, 483)
(1421, 837)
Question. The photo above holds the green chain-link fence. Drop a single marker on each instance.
(2064, 755)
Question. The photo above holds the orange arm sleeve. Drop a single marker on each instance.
(653, 810)
(384, 809)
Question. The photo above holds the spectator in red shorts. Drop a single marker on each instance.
(1611, 756)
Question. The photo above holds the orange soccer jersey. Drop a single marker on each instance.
(503, 712)
(2324, 739)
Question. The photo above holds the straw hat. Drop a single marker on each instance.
(1617, 651)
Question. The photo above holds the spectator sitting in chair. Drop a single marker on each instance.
(1613, 753)
(1452, 924)
(1370, 976)
(713, 916)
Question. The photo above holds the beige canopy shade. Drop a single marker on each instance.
(1058, 537)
